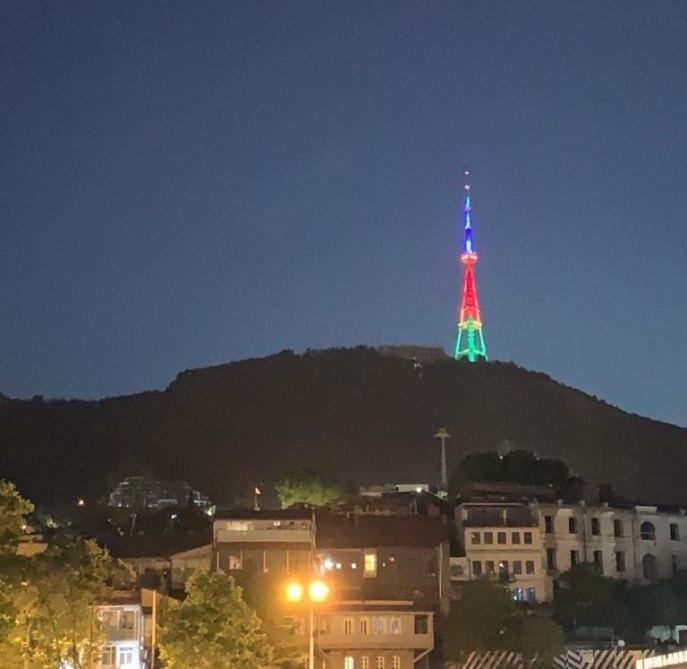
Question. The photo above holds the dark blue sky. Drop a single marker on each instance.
(186, 183)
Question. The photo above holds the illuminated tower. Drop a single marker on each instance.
(470, 340)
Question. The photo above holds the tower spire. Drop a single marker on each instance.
(470, 342)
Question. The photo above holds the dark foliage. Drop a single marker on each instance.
(354, 414)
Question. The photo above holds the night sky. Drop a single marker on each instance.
(188, 183)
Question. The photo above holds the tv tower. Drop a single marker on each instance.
(470, 340)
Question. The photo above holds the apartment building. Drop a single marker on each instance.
(528, 542)
(123, 624)
(388, 576)
(633, 543)
(503, 542)
(375, 635)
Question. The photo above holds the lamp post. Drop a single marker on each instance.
(315, 592)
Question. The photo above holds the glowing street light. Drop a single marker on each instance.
(318, 592)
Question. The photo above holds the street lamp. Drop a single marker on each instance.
(315, 592)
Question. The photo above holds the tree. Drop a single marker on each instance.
(540, 640)
(53, 622)
(13, 508)
(306, 487)
(478, 620)
(214, 627)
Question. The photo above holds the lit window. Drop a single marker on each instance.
(394, 625)
(125, 656)
(127, 620)
(519, 594)
(476, 537)
(349, 662)
(379, 625)
(348, 625)
(364, 662)
(380, 662)
(364, 625)
(396, 662)
(107, 656)
(370, 564)
(234, 562)
(531, 595)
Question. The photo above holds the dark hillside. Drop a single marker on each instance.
(354, 414)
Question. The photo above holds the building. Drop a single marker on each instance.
(526, 539)
(123, 624)
(503, 542)
(388, 574)
(183, 563)
(375, 635)
(143, 492)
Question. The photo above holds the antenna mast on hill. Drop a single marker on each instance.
(443, 435)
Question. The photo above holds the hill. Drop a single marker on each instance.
(351, 413)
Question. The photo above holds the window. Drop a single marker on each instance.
(515, 537)
(619, 561)
(528, 537)
(348, 625)
(674, 532)
(551, 558)
(599, 561)
(488, 537)
(618, 528)
(475, 538)
(529, 567)
(421, 624)
(596, 527)
(364, 625)
(370, 563)
(380, 662)
(125, 656)
(572, 525)
(394, 625)
(476, 568)
(574, 558)
(127, 620)
(501, 537)
(649, 567)
(364, 662)
(395, 662)
(489, 567)
(379, 625)
(234, 562)
(503, 568)
(548, 524)
(349, 662)
(519, 595)
(517, 567)
(531, 595)
(647, 531)
(107, 656)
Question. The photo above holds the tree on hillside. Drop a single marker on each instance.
(307, 487)
(214, 627)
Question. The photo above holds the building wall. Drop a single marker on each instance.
(123, 628)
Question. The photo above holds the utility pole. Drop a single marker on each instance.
(443, 435)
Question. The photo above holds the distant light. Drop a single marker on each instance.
(328, 564)
(81, 502)
(338, 565)
(174, 516)
(318, 591)
(418, 489)
(354, 565)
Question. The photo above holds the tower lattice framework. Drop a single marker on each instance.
(470, 342)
